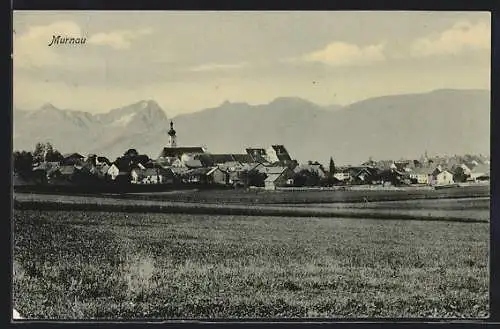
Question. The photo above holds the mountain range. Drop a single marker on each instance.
(443, 121)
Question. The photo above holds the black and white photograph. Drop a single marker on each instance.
(212, 165)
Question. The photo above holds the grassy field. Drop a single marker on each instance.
(313, 196)
(76, 265)
(467, 210)
(260, 196)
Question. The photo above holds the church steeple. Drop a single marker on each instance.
(172, 138)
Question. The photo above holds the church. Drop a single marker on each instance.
(175, 156)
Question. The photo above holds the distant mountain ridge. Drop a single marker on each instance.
(388, 127)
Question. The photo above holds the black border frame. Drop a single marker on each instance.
(423, 5)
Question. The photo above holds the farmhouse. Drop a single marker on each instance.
(466, 169)
(156, 175)
(278, 154)
(198, 175)
(277, 177)
(217, 176)
(72, 159)
(257, 155)
(421, 175)
(121, 170)
(342, 174)
(443, 178)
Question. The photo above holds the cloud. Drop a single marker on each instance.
(30, 49)
(346, 54)
(217, 67)
(119, 39)
(460, 37)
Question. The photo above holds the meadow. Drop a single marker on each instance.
(123, 265)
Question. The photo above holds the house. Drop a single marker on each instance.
(401, 166)
(218, 176)
(257, 155)
(480, 172)
(197, 175)
(466, 169)
(421, 175)
(120, 171)
(278, 153)
(152, 175)
(100, 160)
(189, 161)
(444, 177)
(342, 174)
(72, 159)
(363, 175)
(102, 170)
(170, 154)
(277, 177)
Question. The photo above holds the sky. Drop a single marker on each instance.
(188, 61)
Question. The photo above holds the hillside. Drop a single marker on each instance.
(442, 121)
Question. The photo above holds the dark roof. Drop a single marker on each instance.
(73, 155)
(172, 152)
(214, 159)
(103, 159)
(205, 159)
(243, 158)
(257, 154)
(222, 158)
(154, 171)
(281, 153)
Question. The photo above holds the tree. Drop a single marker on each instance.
(38, 153)
(131, 153)
(306, 178)
(459, 176)
(331, 169)
(23, 163)
(45, 152)
(54, 156)
(253, 178)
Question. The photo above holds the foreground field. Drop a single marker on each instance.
(70, 264)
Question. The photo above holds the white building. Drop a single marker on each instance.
(444, 178)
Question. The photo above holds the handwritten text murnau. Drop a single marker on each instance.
(60, 40)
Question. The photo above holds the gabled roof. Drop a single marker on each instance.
(193, 163)
(223, 158)
(73, 155)
(243, 158)
(257, 154)
(274, 170)
(214, 169)
(173, 152)
(103, 159)
(281, 153)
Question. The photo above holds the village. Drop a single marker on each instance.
(269, 168)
